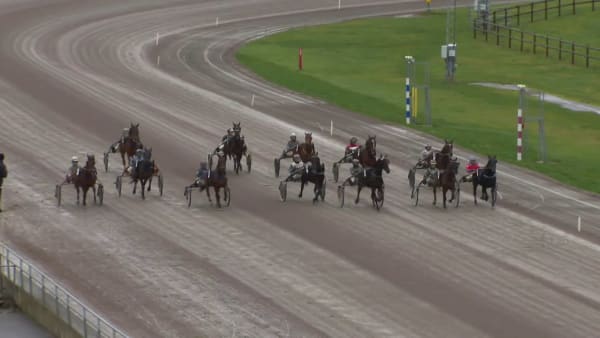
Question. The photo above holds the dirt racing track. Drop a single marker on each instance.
(74, 73)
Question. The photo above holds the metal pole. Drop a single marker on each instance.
(520, 122)
(409, 65)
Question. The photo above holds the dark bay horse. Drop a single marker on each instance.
(447, 180)
(367, 155)
(85, 178)
(144, 172)
(314, 172)
(486, 178)
(130, 144)
(236, 147)
(306, 150)
(373, 178)
(218, 179)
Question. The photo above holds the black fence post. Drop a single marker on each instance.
(534, 42)
(509, 38)
(559, 6)
(593, 5)
(506, 16)
(518, 14)
(572, 52)
(474, 28)
(485, 31)
(587, 56)
(521, 41)
(573, 7)
(560, 49)
(494, 17)
(532, 12)
(546, 10)
(497, 35)
(547, 45)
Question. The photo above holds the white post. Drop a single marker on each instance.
(252, 103)
(217, 21)
(157, 35)
(331, 129)
(339, 4)
(158, 60)
(578, 223)
(520, 122)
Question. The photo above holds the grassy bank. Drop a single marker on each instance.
(359, 65)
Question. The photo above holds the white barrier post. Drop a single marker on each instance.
(252, 103)
(157, 36)
(520, 122)
(331, 129)
(217, 21)
(578, 223)
(339, 4)
(158, 60)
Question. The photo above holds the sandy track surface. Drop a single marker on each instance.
(74, 73)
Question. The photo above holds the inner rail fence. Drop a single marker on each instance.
(498, 30)
(30, 280)
(538, 10)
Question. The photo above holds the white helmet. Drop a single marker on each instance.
(293, 135)
(427, 146)
(74, 159)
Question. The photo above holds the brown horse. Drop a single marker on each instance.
(448, 147)
(85, 178)
(447, 176)
(218, 179)
(307, 150)
(130, 144)
(368, 153)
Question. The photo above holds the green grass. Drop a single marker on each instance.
(570, 27)
(359, 65)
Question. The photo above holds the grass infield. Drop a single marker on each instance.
(359, 65)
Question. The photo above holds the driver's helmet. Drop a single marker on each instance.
(125, 131)
(296, 158)
(472, 160)
(293, 137)
(355, 162)
(139, 152)
(229, 131)
(353, 140)
(74, 159)
(307, 133)
(428, 146)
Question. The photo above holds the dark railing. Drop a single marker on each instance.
(496, 27)
(539, 10)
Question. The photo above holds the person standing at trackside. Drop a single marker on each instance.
(3, 174)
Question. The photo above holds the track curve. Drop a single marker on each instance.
(75, 73)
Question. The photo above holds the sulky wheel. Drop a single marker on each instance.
(100, 194)
(276, 166)
(417, 194)
(227, 196)
(340, 192)
(161, 184)
(106, 162)
(249, 161)
(378, 198)
(283, 190)
(58, 194)
(119, 184)
(188, 196)
(336, 171)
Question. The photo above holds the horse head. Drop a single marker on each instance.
(448, 147)
(371, 145)
(91, 161)
(134, 132)
(308, 137)
(491, 164)
(384, 162)
(237, 128)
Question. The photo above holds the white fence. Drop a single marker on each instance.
(65, 306)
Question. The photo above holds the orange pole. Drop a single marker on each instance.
(300, 59)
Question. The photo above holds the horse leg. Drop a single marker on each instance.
(77, 188)
(359, 188)
(123, 159)
(149, 183)
(208, 193)
(484, 195)
(94, 191)
(434, 195)
(85, 191)
(302, 182)
(444, 190)
(143, 183)
(134, 186)
(218, 196)
(475, 192)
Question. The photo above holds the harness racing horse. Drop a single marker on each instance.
(447, 180)
(314, 172)
(307, 150)
(144, 172)
(218, 179)
(130, 144)
(486, 178)
(236, 147)
(367, 155)
(373, 178)
(85, 178)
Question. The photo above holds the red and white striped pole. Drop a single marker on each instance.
(520, 122)
(300, 59)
